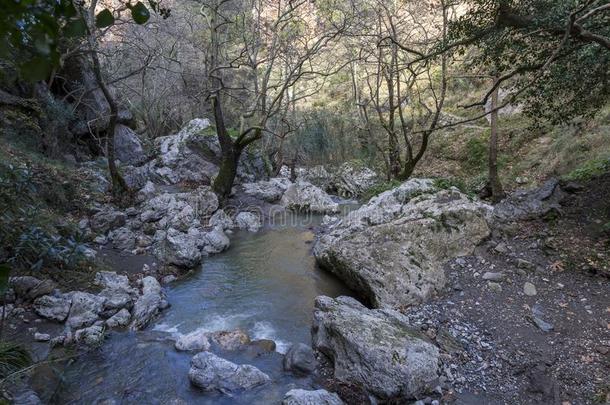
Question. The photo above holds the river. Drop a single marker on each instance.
(264, 284)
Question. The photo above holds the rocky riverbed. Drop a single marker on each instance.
(452, 300)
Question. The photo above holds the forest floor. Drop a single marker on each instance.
(531, 311)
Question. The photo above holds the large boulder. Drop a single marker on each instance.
(22, 285)
(127, 146)
(53, 308)
(189, 155)
(148, 304)
(374, 348)
(317, 175)
(391, 251)
(212, 373)
(304, 196)
(193, 155)
(317, 397)
(352, 180)
(270, 191)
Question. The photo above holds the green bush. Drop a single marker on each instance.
(29, 234)
(380, 188)
(447, 183)
(476, 153)
(590, 169)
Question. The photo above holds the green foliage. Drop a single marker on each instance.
(447, 183)
(35, 30)
(13, 358)
(476, 153)
(104, 19)
(29, 233)
(590, 169)
(380, 188)
(522, 36)
(139, 13)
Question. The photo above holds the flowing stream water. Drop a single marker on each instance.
(264, 284)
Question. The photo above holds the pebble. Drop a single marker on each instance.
(529, 289)
(603, 349)
(524, 264)
(495, 287)
(501, 248)
(489, 276)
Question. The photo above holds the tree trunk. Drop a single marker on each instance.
(119, 187)
(497, 193)
(407, 170)
(226, 174)
(394, 156)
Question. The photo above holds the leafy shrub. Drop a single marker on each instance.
(590, 169)
(476, 153)
(29, 237)
(447, 183)
(380, 188)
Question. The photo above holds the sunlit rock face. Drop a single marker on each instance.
(392, 249)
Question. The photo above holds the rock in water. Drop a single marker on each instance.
(213, 373)
(374, 348)
(221, 219)
(248, 220)
(119, 319)
(300, 358)
(216, 241)
(194, 341)
(181, 249)
(392, 249)
(304, 196)
(91, 336)
(147, 305)
(230, 339)
(304, 397)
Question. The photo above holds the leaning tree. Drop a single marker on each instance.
(259, 51)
